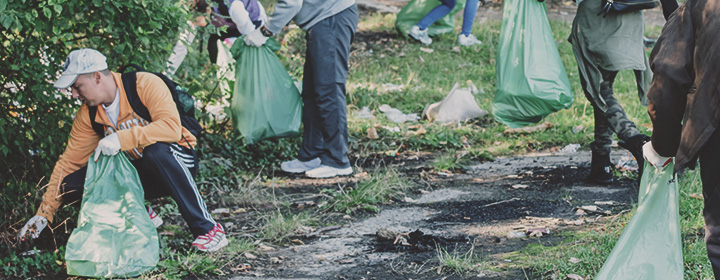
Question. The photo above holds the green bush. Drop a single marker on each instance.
(35, 118)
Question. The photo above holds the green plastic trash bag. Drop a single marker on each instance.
(416, 10)
(650, 247)
(531, 79)
(266, 103)
(114, 237)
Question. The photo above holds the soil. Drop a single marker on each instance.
(477, 208)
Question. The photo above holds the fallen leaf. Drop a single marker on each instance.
(250, 256)
(574, 260)
(605, 202)
(297, 241)
(264, 247)
(427, 50)
(520, 186)
(372, 133)
(574, 277)
(696, 195)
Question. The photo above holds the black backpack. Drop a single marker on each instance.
(183, 101)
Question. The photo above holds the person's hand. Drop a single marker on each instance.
(35, 225)
(109, 146)
(255, 38)
(656, 160)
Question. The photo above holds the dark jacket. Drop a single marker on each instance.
(684, 98)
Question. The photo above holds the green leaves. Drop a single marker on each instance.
(35, 38)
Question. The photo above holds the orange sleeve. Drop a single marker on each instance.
(82, 143)
(165, 124)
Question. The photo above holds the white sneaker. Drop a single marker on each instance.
(154, 217)
(420, 35)
(325, 171)
(468, 40)
(297, 166)
(211, 241)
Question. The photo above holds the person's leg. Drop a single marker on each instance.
(600, 164)
(632, 139)
(600, 148)
(312, 143)
(72, 187)
(469, 16)
(212, 47)
(328, 49)
(171, 168)
(436, 13)
(709, 164)
(615, 114)
(180, 50)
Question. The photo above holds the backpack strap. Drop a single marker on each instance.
(129, 81)
(99, 128)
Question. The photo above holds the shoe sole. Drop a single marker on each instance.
(220, 245)
(323, 177)
(418, 39)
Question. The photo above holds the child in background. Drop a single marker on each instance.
(419, 31)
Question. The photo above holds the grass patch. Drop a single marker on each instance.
(278, 228)
(192, 263)
(457, 262)
(451, 161)
(380, 188)
(591, 247)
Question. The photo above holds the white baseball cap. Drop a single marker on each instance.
(80, 61)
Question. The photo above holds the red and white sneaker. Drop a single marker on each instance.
(211, 241)
(154, 217)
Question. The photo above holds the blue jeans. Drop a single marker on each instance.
(445, 8)
(325, 131)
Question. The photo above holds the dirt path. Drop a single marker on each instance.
(478, 208)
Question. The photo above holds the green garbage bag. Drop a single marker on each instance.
(266, 103)
(114, 237)
(531, 79)
(415, 10)
(650, 246)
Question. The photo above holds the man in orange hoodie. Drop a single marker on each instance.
(160, 148)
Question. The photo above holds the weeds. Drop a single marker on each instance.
(184, 264)
(278, 228)
(458, 263)
(37, 265)
(451, 161)
(380, 188)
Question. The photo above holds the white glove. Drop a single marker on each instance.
(255, 38)
(658, 161)
(39, 222)
(109, 146)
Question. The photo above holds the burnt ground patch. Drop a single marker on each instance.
(483, 211)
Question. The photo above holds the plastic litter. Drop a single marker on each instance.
(415, 10)
(627, 162)
(570, 148)
(266, 101)
(364, 113)
(650, 246)
(532, 82)
(114, 237)
(396, 115)
(459, 105)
